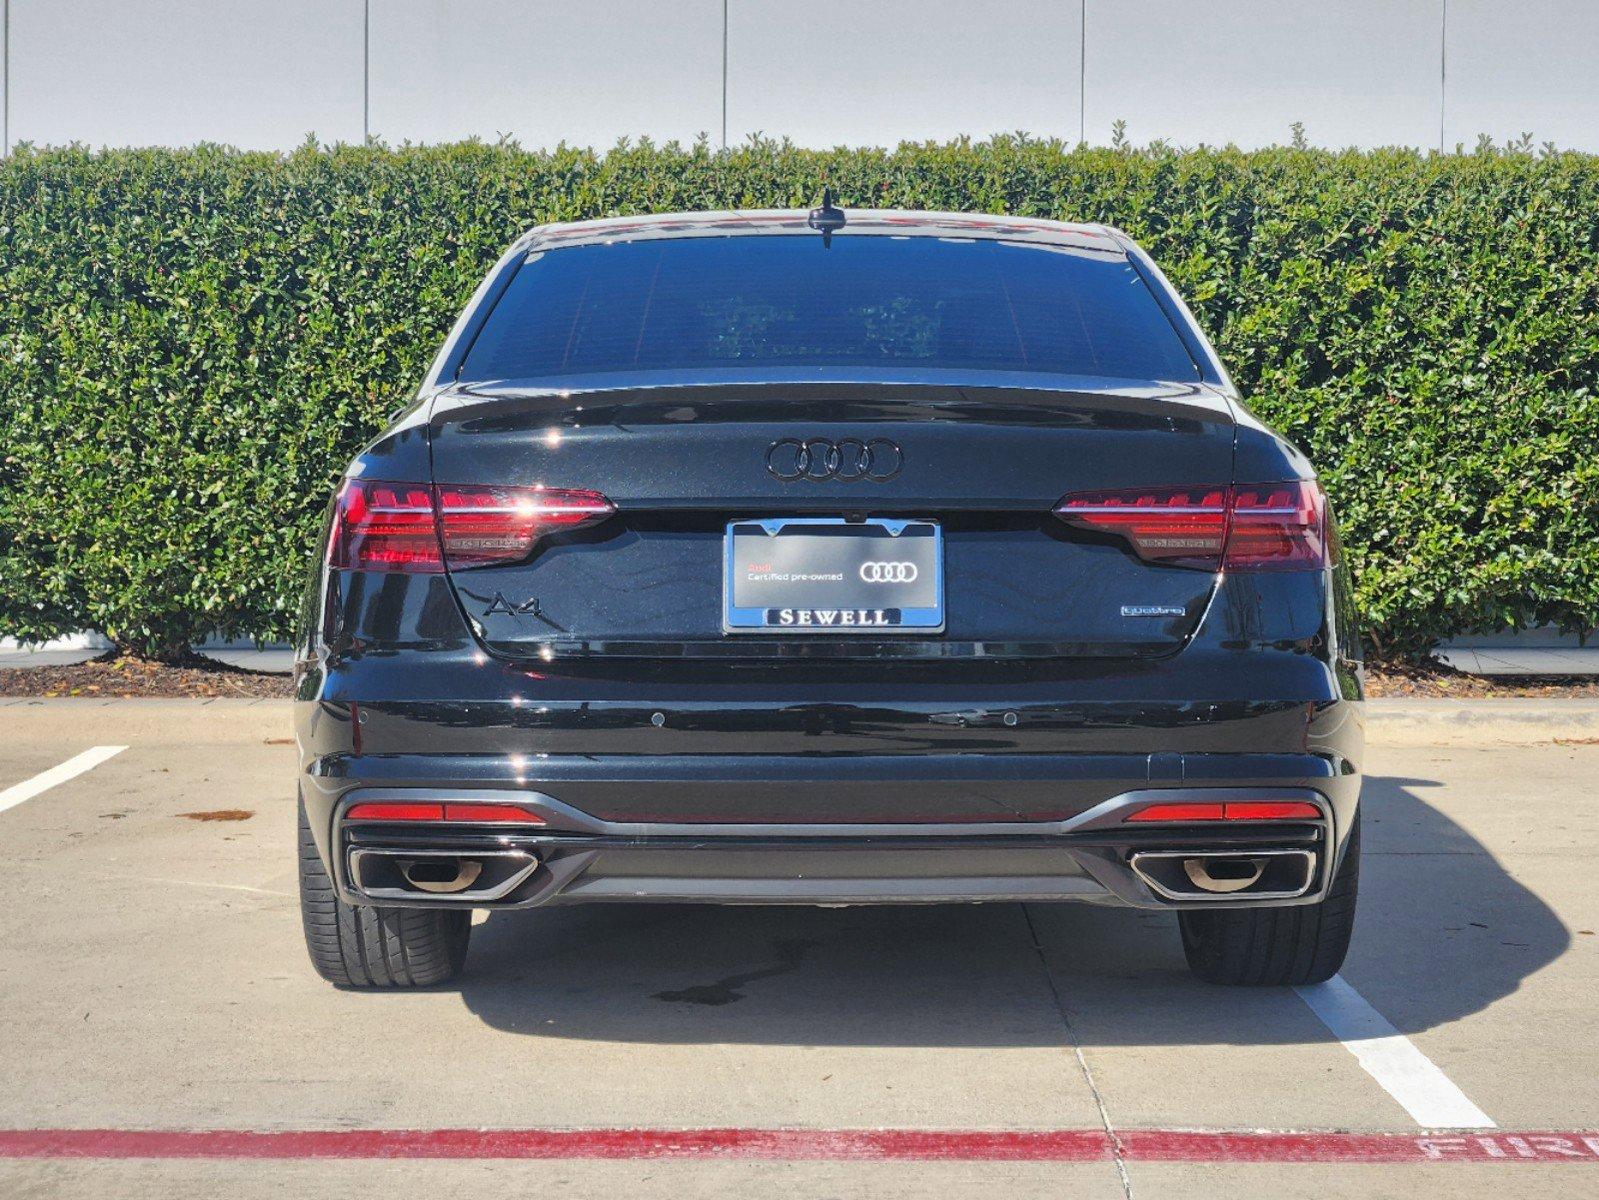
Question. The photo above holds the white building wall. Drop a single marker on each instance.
(544, 72)
(255, 73)
(1353, 72)
(842, 72)
(1526, 67)
(266, 73)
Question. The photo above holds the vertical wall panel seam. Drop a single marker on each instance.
(5, 70)
(1443, 71)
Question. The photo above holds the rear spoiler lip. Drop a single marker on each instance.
(810, 377)
(1194, 401)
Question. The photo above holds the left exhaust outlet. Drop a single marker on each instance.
(1257, 873)
(477, 877)
(440, 875)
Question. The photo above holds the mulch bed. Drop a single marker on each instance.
(206, 677)
(1437, 681)
(119, 677)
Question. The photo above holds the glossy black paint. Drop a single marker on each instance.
(624, 700)
(680, 461)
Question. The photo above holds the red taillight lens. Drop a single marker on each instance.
(482, 525)
(1278, 526)
(1187, 526)
(1260, 526)
(379, 526)
(383, 526)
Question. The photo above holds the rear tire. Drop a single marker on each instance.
(355, 946)
(1271, 947)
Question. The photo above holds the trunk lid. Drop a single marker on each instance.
(987, 464)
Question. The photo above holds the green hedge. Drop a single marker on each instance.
(193, 342)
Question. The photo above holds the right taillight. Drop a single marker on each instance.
(380, 525)
(1256, 527)
(1186, 526)
(1278, 526)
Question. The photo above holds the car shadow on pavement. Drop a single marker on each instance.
(1443, 932)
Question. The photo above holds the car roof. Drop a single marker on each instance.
(1093, 239)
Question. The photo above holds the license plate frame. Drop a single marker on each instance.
(873, 533)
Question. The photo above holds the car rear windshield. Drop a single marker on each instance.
(787, 301)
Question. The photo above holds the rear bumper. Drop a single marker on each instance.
(572, 857)
(808, 785)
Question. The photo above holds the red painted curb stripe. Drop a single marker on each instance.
(1062, 1145)
(1162, 1145)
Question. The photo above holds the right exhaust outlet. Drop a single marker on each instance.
(1227, 874)
(1218, 873)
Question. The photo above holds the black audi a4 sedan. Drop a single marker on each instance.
(828, 558)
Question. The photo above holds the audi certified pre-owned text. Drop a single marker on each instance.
(828, 558)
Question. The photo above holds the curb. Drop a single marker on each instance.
(1530, 721)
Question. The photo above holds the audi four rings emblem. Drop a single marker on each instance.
(846, 460)
(887, 572)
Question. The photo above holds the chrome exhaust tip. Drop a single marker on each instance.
(1226, 874)
(465, 877)
(440, 875)
(1221, 874)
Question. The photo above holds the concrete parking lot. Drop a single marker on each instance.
(162, 1033)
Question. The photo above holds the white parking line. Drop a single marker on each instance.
(1389, 1057)
(45, 780)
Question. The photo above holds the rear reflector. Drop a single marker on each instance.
(386, 811)
(395, 812)
(1266, 526)
(1246, 810)
(491, 812)
(1178, 812)
(385, 526)
(1272, 810)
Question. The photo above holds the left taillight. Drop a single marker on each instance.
(381, 525)
(1262, 526)
(480, 526)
